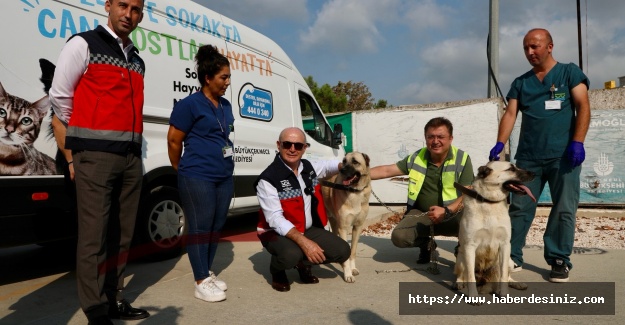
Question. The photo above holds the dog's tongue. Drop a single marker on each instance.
(526, 190)
(349, 180)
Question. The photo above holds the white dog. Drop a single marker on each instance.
(484, 234)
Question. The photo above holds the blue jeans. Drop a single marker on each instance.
(559, 235)
(205, 206)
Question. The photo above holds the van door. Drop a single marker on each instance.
(314, 121)
(317, 129)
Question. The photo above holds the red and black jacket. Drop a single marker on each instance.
(108, 100)
(291, 195)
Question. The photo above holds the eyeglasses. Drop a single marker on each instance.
(438, 137)
(287, 145)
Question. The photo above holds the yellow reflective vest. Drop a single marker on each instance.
(452, 169)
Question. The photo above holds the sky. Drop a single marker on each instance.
(426, 51)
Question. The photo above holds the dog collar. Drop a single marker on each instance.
(341, 186)
(472, 193)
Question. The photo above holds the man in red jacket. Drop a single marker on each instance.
(292, 217)
(97, 97)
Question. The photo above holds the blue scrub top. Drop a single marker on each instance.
(207, 129)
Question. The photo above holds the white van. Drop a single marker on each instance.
(267, 91)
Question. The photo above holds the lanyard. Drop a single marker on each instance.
(217, 117)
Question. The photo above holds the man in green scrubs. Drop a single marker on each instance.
(553, 100)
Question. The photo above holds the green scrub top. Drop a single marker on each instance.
(545, 133)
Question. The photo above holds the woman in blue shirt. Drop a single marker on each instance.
(201, 123)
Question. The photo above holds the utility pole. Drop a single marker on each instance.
(579, 38)
(493, 48)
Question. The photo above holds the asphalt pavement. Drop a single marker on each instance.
(166, 289)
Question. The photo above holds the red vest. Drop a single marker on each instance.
(291, 195)
(108, 100)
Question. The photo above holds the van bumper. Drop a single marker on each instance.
(36, 210)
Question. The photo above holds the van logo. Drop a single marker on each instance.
(255, 103)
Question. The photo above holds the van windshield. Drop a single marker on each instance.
(314, 123)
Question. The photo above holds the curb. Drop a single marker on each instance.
(587, 213)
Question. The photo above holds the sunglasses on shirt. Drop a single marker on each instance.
(287, 145)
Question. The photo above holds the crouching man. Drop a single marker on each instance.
(292, 217)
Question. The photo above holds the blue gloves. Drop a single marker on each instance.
(497, 149)
(575, 153)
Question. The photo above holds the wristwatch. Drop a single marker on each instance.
(447, 213)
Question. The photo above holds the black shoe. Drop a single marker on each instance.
(280, 282)
(123, 310)
(305, 273)
(456, 250)
(425, 254)
(101, 320)
(559, 272)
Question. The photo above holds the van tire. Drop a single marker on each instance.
(161, 227)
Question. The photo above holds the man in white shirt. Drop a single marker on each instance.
(292, 217)
(97, 96)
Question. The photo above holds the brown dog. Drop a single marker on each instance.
(347, 204)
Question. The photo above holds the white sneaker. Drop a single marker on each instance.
(219, 283)
(516, 268)
(208, 291)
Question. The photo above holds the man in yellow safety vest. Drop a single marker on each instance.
(432, 197)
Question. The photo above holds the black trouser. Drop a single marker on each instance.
(108, 188)
(286, 254)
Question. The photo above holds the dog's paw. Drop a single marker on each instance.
(458, 285)
(472, 297)
(517, 285)
(474, 300)
(485, 289)
(503, 291)
(349, 271)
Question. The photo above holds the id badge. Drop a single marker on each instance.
(227, 151)
(552, 104)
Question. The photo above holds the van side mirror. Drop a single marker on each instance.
(337, 135)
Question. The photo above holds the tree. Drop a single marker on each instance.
(329, 101)
(344, 97)
(311, 84)
(382, 103)
(358, 95)
(326, 97)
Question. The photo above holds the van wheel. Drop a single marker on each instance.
(160, 227)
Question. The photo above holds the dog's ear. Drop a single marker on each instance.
(366, 159)
(483, 171)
